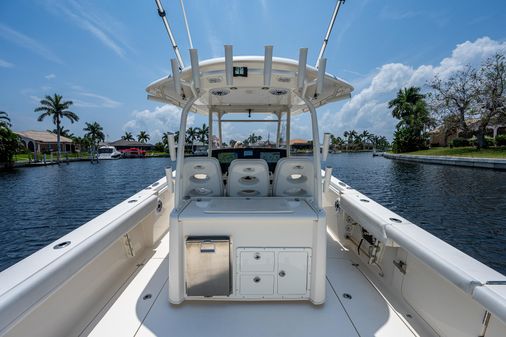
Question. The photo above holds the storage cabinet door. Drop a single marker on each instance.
(260, 261)
(292, 273)
(253, 284)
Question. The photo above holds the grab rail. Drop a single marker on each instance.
(24, 285)
(465, 272)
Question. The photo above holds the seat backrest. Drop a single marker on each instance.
(202, 177)
(294, 177)
(248, 178)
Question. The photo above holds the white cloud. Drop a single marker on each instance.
(162, 119)
(26, 42)
(99, 101)
(50, 76)
(5, 64)
(368, 108)
(102, 26)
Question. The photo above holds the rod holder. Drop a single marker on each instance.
(267, 66)
(194, 59)
(322, 64)
(326, 180)
(326, 144)
(168, 177)
(172, 147)
(176, 76)
(229, 64)
(301, 74)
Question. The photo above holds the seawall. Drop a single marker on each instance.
(497, 164)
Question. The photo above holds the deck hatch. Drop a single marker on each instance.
(208, 266)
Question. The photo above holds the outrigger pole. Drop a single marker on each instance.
(329, 30)
(161, 12)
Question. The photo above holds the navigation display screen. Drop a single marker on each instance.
(248, 153)
(270, 157)
(226, 157)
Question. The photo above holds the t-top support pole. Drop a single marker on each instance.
(161, 13)
(316, 153)
(329, 30)
(180, 152)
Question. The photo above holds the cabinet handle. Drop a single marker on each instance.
(257, 256)
(282, 273)
(256, 279)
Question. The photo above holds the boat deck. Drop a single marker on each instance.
(142, 308)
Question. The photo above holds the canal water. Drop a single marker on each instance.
(466, 207)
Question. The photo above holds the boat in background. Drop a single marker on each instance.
(133, 153)
(108, 152)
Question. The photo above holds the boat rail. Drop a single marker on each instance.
(29, 282)
(480, 282)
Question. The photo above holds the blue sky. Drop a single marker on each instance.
(102, 54)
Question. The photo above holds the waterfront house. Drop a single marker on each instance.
(44, 142)
(439, 138)
(128, 144)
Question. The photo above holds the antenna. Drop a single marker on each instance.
(329, 30)
(186, 24)
(161, 12)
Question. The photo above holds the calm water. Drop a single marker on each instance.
(464, 206)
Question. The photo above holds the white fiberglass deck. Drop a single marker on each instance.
(367, 313)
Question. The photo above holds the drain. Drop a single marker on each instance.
(347, 296)
(147, 297)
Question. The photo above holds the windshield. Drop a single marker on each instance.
(105, 150)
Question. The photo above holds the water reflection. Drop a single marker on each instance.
(464, 206)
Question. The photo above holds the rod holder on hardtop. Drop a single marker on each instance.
(176, 75)
(301, 73)
(322, 64)
(194, 60)
(229, 64)
(267, 66)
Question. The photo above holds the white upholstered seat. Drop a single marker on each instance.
(202, 177)
(248, 178)
(294, 177)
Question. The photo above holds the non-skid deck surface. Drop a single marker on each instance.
(365, 314)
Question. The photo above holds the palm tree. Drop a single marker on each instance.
(191, 135)
(408, 106)
(63, 132)
(203, 133)
(127, 136)
(336, 142)
(165, 139)
(350, 136)
(94, 132)
(4, 119)
(143, 137)
(58, 109)
(365, 137)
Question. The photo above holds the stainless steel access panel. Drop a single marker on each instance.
(208, 266)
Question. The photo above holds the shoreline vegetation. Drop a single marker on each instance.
(468, 152)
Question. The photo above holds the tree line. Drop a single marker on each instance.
(465, 103)
(57, 109)
(352, 140)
